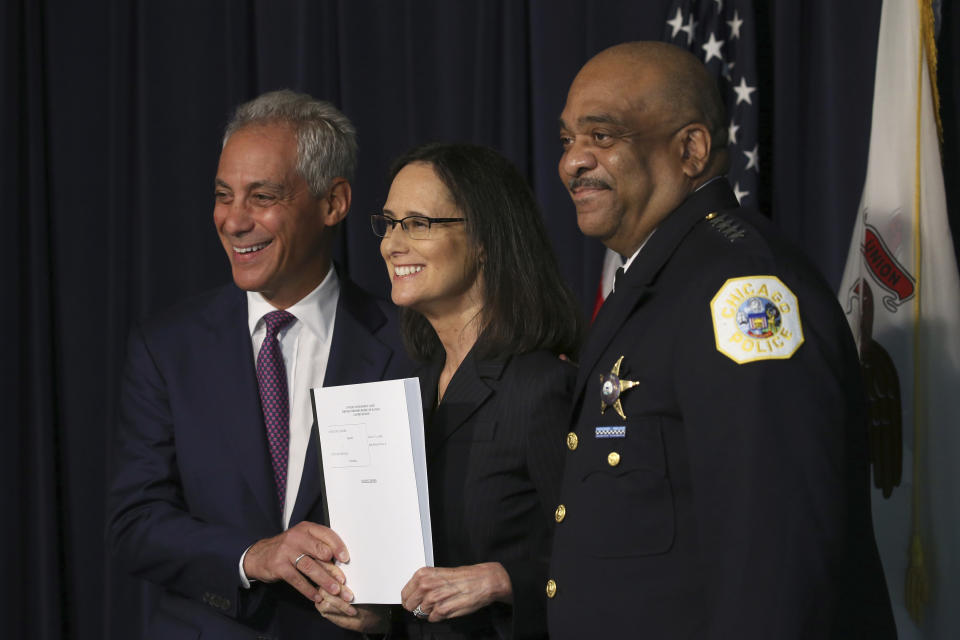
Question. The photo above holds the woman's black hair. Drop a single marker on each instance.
(526, 305)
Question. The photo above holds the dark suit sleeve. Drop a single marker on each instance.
(151, 530)
(539, 401)
(768, 446)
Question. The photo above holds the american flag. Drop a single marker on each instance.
(721, 33)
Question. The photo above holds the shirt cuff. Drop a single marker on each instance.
(244, 581)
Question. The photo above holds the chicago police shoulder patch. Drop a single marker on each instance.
(756, 318)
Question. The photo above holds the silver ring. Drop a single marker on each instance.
(299, 558)
(420, 613)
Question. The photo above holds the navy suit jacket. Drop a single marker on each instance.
(193, 487)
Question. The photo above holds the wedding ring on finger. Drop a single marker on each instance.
(299, 558)
(420, 613)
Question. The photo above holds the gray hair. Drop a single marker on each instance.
(326, 139)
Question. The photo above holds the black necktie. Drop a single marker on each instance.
(618, 278)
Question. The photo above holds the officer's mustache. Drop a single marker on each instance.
(592, 183)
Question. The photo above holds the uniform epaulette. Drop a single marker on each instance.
(726, 225)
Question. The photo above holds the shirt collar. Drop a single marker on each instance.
(315, 310)
(629, 261)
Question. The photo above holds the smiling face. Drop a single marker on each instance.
(438, 276)
(273, 230)
(622, 159)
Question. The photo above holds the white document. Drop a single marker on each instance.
(375, 480)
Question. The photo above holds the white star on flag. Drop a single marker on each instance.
(732, 133)
(677, 23)
(735, 25)
(712, 48)
(753, 158)
(743, 91)
(689, 27)
(727, 68)
(740, 194)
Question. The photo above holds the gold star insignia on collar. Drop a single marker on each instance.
(611, 386)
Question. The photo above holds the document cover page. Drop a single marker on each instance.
(375, 483)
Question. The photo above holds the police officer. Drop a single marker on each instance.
(716, 476)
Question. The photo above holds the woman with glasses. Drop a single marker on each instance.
(485, 310)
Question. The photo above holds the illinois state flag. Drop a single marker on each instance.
(902, 297)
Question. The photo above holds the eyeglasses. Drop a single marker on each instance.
(416, 227)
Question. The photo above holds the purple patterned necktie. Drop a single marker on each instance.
(272, 378)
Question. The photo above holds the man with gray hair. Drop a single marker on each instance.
(217, 492)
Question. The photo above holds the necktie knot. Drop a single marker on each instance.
(277, 320)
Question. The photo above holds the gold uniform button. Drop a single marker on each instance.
(560, 513)
(613, 459)
(551, 588)
(572, 441)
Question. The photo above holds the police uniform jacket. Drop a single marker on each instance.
(732, 500)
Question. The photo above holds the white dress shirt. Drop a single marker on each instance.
(305, 345)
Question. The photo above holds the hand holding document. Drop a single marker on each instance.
(375, 483)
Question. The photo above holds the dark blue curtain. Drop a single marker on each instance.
(111, 114)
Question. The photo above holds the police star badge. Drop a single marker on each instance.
(611, 386)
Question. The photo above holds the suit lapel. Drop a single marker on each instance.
(234, 388)
(429, 375)
(638, 282)
(356, 355)
(468, 390)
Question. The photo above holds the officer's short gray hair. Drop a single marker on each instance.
(326, 139)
